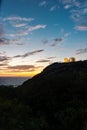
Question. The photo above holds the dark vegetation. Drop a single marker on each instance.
(55, 99)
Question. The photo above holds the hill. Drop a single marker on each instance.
(56, 79)
(59, 88)
(55, 99)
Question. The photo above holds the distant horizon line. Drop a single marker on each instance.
(16, 76)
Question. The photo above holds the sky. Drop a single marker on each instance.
(36, 33)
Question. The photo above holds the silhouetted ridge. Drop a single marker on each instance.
(56, 77)
(55, 99)
(56, 66)
(65, 70)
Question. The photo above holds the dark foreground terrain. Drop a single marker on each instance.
(55, 99)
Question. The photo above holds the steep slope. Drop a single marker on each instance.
(56, 80)
(55, 99)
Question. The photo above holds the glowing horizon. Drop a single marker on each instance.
(38, 33)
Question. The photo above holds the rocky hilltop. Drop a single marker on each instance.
(55, 99)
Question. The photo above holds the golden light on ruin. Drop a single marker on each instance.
(71, 59)
(66, 60)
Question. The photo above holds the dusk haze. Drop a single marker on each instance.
(36, 33)
(43, 64)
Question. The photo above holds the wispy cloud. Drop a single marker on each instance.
(21, 68)
(64, 33)
(70, 2)
(53, 8)
(3, 64)
(81, 51)
(51, 57)
(67, 6)
(4, 41)
(21, 33)
(18, 25)
(11, 35)
(20, 28)
(28, 54)
(50, 4)
(85, 10)
(15, 41)
(45, 41)
(78, 12)
(67, 34)
(81, 28)
(43, 60)
(56, 41)
(43, 3)
(32, 28)
(4, 58)
(78, 15)
(18, 18)
(24, 32)
(47, 60)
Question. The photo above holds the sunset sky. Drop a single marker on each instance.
(36, 33)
